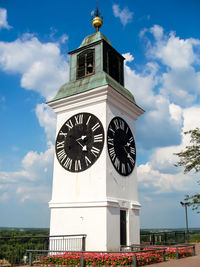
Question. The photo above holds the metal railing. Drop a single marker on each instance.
(13, 248)
(175, 247)
(35, 256)
(163, 238)
(67, 242)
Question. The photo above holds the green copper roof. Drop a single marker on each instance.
(91, 82)
(97, 36)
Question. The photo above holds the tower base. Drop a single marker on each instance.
(106, 224)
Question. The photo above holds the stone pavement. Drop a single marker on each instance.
(193, 261)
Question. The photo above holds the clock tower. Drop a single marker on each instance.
(95, 179)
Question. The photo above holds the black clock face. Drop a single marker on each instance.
(79, 142)
(121, 146)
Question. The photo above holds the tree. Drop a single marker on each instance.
(190, 159)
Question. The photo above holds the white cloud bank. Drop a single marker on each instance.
(43, 69)
(159, 174)
(42, 66)
(33, 181)
(167, 88)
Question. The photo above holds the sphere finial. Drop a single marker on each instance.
(97, 19)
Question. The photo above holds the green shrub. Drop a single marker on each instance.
(195, 238)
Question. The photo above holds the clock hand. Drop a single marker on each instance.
(125, 150)
(81, 138)
(84, 147)
(128, 144)
(128, 154)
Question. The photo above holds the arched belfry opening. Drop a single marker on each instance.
(85, 63)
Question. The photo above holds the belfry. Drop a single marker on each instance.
(94, 188)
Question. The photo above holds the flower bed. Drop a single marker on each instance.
(115, 259)
(182, 252)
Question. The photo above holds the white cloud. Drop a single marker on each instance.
(41, 65)
(64, 38)
(158, 125)
(36, 193)
(176, 113)
(142, 84)
(37, 163)
(157, 182)
(33, 181)
(43, 69)
(157, 31)
(173, 51)
(159, 175)
(3, 19)
(180, 80)
(125, 15)
(183, 85)
(128, 57)
(47, 120)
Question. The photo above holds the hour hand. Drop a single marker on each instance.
(126, 150)
(128, 154)
(84, 147)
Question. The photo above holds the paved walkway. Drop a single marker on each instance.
(193, 261)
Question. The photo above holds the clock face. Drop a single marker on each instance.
(121, 146)
(79, 142)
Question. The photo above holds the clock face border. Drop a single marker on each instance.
(121, 146)
(79, 142)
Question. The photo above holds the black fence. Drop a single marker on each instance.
(165, 237)
(14, 249)
(135, 252)
(35, 256)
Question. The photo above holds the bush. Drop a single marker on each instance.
(195, 238)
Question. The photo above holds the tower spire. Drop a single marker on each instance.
(97, 18)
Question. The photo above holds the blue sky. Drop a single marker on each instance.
(161, 43)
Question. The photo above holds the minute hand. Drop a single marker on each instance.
(129, 157)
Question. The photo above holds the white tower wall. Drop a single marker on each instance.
(89, 202)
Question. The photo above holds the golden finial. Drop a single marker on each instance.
(97, 19)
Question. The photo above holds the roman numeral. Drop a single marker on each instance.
(68, 163)
(61, 155)
(116, 123)
(62, 134)
(123, 168)
(88, 120)
(110, 129)
(87, 161)
(131, 160)
(121, 124)
(95, 151)
(78, 119)
(132, 150)
(128, 167)
(98, 138)
(112, 153)
(96, 126)
(131, 139)
(117, 163)
(77, 165)
(60, 144)
(69, 124)
(111, 141)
